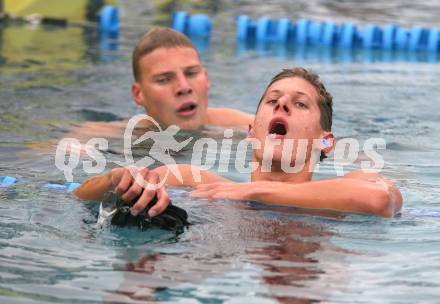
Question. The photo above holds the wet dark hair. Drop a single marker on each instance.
(325, 99)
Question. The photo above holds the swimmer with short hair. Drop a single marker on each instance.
(295, 105)
(172, 85)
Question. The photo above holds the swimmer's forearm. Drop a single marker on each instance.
(343, 195)
(94, 187)
(188, 174)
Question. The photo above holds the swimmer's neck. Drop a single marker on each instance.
(278, 175)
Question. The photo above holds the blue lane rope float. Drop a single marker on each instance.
(66, 186)
(330, 34)
(262, 31)
(284, 30)
(6, 181)
(389, 36)
(197, 25)
(317, 53)
(434, 40)
(402, 37)
(348, 35)
(302, 31)
(372, 37)
(245, 28)
(179, 22)
(109, 19)
(315, 32)
(418, 40)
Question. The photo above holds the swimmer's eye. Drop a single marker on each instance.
(163, 80)
(192, 72)
(300, 105)
(272, 101)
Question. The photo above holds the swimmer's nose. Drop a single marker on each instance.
(183, 86)
(282, 105)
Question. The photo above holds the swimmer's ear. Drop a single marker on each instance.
(136, 93)
(205, 71)
(327, 142)
(250, 133)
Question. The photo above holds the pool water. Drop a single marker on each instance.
(54, 79)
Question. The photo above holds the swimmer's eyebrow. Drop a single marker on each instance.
(278, 92)
(273, 93)
(163, 74)
(172, 73)
(195, 66)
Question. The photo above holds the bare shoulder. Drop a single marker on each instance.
(185, 175)
(90, 129)
(228, 117)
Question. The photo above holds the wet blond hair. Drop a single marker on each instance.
(156, 38)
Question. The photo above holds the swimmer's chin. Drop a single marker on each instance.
(191, 124)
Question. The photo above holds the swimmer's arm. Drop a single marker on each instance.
(95, 187)
(393, 197)
(355, 193)
(191, 176)
(228, 117)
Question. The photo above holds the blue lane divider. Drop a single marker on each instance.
(197, 25)
(109, 20)
(317, 53)
(348, 35)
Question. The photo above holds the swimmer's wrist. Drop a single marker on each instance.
(94, 187)
(258, 191)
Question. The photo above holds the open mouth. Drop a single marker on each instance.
(187, 108)
(278, 127)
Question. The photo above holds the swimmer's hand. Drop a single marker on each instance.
(132, 182)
